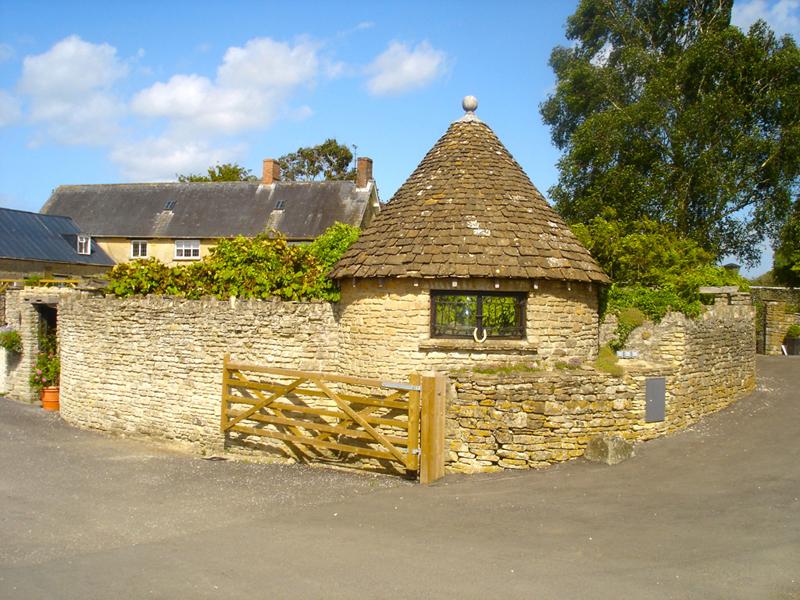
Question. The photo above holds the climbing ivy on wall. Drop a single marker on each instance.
(264, 267)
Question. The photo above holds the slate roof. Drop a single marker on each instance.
(32, 236)
(210, 210)
(469, 210)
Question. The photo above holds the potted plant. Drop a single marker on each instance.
(46, 373)
(793, 340)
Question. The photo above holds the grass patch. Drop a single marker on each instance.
(508, 369)
(608, 362)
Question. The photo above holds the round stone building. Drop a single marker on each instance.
(466, 264)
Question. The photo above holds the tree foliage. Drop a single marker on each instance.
(654, 269)
(217, 173)
(328, 160)
(786, 266)
(666, 111)
(263, 267)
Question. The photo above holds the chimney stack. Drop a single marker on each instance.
(271, 172)
(363, 171)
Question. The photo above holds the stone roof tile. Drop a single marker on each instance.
(469, 209)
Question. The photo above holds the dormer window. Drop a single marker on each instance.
(84, 245)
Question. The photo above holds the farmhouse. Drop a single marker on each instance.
(178, 222)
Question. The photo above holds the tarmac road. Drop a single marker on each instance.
(711, 512)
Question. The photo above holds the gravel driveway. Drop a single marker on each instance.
(711, 512)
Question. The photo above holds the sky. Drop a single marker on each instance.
(112, 92)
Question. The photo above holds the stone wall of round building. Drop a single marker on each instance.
(385, 326)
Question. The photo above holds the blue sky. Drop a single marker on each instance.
(107, 92)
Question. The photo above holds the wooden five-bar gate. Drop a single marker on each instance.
(326, 416)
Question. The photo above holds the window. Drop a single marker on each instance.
(478, 315)
(280, 204)
(84, 244)
(187, 249)
(139, 249)
(169, 205)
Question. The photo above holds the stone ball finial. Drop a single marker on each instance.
(470, 104)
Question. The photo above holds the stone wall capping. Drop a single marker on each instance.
(713, 290)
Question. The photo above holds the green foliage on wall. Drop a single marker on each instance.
(263, 267)
(654, 269)
(628, 319)
(11, 341)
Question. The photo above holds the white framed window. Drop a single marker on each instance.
(84, 244)
(187, 249)
(138, 248)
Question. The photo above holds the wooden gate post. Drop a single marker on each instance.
(434, 389)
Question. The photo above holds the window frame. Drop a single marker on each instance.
(521, 325)
(141, 243)
(191, 245)
(83, 245)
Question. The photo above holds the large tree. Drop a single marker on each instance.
(786, 268)
(664, 110)
(217, 173)
(328, 160)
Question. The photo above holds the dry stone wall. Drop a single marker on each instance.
(778, 308)
(534, 419)
(22, 314)
(778, 317)
(530, 419)
(153, 366)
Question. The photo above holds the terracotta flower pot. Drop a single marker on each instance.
(50, 398)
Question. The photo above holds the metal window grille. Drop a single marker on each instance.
(169, 204)
(467, 314)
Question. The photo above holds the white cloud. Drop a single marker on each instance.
(252, 86)
(6, 52)
(782, 16)
(161, 158)
(266, 64)
(69, 88)
(10, 111)
(400, 69)
(181, 124)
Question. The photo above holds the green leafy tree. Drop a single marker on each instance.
(328, 160)
(644, 252)
(664, 110)
(217, 173)
(654, 269)
(786, 265)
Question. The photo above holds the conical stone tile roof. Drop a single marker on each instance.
(469, 210)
